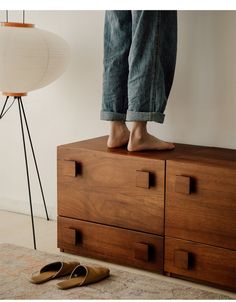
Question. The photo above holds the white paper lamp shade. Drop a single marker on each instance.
(30, 58)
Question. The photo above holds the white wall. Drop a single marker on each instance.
(201, 108)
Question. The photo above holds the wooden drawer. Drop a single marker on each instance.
(201, 203)
(111, 244)
(107, 188)
(201, 262)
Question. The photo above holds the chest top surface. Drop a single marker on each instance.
(182, 152)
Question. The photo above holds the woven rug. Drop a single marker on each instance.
(17, 264)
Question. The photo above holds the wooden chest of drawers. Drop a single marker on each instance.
(169, 212)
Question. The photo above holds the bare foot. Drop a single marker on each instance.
(119, 135)
(141, 140)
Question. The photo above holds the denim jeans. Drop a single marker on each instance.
(139, 64)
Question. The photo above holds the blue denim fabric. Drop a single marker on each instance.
(139, 64)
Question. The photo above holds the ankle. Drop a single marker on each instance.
(117, 124)
(139, 130)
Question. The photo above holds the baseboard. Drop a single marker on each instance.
(22, 207)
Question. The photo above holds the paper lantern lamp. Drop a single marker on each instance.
(30, 58)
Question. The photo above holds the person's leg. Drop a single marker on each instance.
(117, 41)
(152, 60)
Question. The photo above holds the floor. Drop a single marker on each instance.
(19, 233)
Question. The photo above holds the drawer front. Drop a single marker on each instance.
(111, 244)
(200, 262)
(111, 189)
(201, 203)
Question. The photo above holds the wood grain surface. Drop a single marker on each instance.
(106, 190)
(208, 213)
(111, 244)
(206, 263)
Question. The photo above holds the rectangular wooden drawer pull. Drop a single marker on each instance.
(74, 235)
(182, 184)
(69, 235)
(142, 179)
(181, 259)
(141, 251)
(70, 168)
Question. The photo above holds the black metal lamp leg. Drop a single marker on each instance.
(35, 161)
(4, 109)
(27, 170)
(2, 112)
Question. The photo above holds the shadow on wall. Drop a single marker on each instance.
(202, 105)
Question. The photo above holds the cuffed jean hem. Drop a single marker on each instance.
(112, 116)
(145, 116)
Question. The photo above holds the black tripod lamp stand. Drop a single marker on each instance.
(17, 98)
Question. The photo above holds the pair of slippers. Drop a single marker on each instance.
(79, 274)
